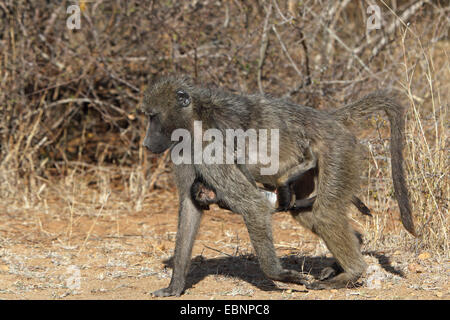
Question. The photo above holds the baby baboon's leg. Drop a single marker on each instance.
(293, 174)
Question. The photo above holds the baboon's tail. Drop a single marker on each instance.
(382, 101)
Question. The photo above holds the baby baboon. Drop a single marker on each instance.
(205, 196)
(176, 104)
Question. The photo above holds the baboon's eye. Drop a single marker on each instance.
(183, 98)
(150, 114)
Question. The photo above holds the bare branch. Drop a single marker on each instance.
(263, 48)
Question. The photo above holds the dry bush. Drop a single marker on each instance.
(68, 98)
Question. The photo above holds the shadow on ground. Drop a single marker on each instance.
(246, 267)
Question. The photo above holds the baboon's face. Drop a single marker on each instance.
(166, 106)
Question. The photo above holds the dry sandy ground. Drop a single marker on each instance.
(47, 255)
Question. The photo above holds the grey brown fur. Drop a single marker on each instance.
(175, 103)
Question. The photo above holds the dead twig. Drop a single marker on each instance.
(263, 48)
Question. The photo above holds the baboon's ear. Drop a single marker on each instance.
(183, 98)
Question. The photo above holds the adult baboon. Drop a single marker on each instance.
(174, 103)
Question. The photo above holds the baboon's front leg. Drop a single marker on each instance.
(188, 221)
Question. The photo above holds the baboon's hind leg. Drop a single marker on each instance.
(341, 240)
(346, 250)
(337, 182)
(343, 243)
(335, 268)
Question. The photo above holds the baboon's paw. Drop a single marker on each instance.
(327, 273)
(167, 292)
(292, 276)
(321, 285)
(329, 284)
